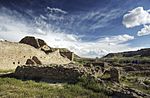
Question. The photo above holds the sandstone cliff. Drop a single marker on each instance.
(14, 54)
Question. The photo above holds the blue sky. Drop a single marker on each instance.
(90, 28)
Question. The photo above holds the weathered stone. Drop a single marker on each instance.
(46, 49)
(51, 73)
(30, 62)
(36, 60)
(114, 74)
(13, 54)
(69, 55)
(30, 41)
(41, 42)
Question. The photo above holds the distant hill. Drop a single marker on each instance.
(140, 53)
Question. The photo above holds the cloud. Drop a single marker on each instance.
(136, 17)
(12, 23)
(56, 10)
(98, 18)
(80, 22)
(14, 27)
(144, 31)
(105, 45)
(118, 39)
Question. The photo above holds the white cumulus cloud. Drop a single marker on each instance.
(144, 31)
(13, 28)
(136, 17)
(118, 39)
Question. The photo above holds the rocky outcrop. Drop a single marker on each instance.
(29, 40)
(128, 93)
(41, 45)
(50, 73)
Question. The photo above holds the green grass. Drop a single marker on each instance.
(13, 88)
(93, 85)
(105, 76)
(147, 82)
(132, 83)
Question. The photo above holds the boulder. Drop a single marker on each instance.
(114, 74)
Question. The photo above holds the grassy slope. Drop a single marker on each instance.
(13, 88)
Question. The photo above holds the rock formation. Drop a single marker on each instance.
(29, 40)
(15, 54)
(50, 73)
(30, 62)
(41, 44)
(33, 61)
(36, 60)
(114, 75)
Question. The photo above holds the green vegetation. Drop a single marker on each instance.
(132, 82)
(133, 60)
(147, 82)
(13, 88)
(84, 60)
(105, 76)
(92, 84)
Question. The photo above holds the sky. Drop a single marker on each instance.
(90, 28)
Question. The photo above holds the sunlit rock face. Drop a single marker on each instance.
(14, 54)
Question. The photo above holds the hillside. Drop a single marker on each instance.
(141, 53)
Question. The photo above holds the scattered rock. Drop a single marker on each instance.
(50, 73)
